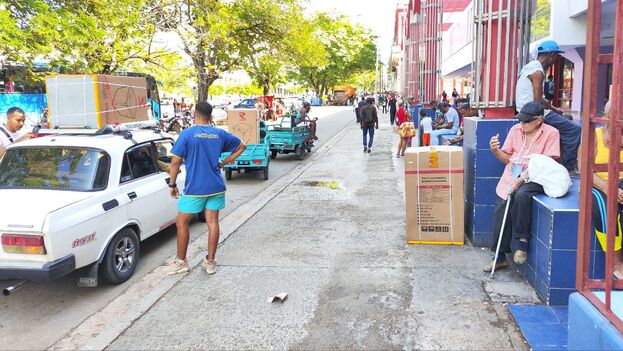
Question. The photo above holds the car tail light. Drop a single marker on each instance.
(258, 162)
(23, 244)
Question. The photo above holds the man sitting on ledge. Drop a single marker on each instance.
(531, 136)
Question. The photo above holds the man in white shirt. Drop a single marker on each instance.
(12, 132)
(530, 88)
(452, 123)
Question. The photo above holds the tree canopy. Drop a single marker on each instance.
(271, 39)
(349, 50)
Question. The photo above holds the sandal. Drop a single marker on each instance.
(618, 275)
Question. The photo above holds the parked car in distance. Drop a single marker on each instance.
(246, 103)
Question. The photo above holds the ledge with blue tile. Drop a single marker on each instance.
(482, 173)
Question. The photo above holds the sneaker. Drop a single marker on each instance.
(501, 262)
(369, 150)
(177, 266)
(365, 149)
(520, 257)
(210, 267)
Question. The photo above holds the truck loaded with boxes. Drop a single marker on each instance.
(434, 195)
(94, 101)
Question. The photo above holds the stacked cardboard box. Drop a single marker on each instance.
(94, 101)
(245, 124)
(434, 195)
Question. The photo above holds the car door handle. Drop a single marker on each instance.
(132, 195)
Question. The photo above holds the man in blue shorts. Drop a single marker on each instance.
(204, 190)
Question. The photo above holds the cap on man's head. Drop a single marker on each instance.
(442, 104)
(465, 105)
(549, 46)
(530, 111)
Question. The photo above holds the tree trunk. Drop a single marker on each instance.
(204, 81)
(266, 86)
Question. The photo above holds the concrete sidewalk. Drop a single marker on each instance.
(352, 280)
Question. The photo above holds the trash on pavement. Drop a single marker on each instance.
(281, 297)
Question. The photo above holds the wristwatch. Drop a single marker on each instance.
(174, 185)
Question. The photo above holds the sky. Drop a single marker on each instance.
(377, 15)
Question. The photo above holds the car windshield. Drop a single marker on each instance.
(54, 168)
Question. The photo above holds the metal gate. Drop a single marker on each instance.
(501, 48)
(585, 285)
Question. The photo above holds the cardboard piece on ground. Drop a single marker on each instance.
(434, 195)
(281, 297)
(245, 124)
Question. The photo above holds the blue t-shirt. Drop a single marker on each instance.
(200, 147)
(453, 116)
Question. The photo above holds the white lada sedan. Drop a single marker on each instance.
(72, 200)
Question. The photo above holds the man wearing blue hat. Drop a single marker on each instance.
(530, 88)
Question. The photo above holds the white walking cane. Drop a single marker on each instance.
(497, 250)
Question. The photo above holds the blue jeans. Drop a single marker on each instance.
(366, 131)
(434, 135)
(570, 135)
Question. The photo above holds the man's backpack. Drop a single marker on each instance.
(368, 114)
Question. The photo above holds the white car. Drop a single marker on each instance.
(70, 201)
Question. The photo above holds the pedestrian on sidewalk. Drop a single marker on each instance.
(12, 131)
(402, 117)
(426, 126)
(530, 88)
(392, 109)
(200, 147)
(531, 136)
(369, 122)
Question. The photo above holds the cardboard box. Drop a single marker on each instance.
(245, 124)
(434, 195)
(94, 101)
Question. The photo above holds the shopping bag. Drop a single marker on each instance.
(407, 130)
(553, 176)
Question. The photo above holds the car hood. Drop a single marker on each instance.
(26, 209)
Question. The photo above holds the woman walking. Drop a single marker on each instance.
(402, 117)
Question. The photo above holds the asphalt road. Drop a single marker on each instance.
(39, 314)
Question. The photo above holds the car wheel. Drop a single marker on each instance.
(265, 173)
(273, 155)
(228, 174)
(121, 257)
(299, 151)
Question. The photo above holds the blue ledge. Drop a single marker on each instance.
(551, 265)
(543, 327)
(589, 329)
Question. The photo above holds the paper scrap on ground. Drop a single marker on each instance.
(281, 297)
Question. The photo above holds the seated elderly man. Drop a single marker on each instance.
(531, 136)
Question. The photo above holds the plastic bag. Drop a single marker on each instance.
(553, 176)
(407, 130)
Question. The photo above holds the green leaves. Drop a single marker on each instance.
(88, 36)
(341, 50)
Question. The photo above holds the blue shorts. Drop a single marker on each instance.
(192, 204)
